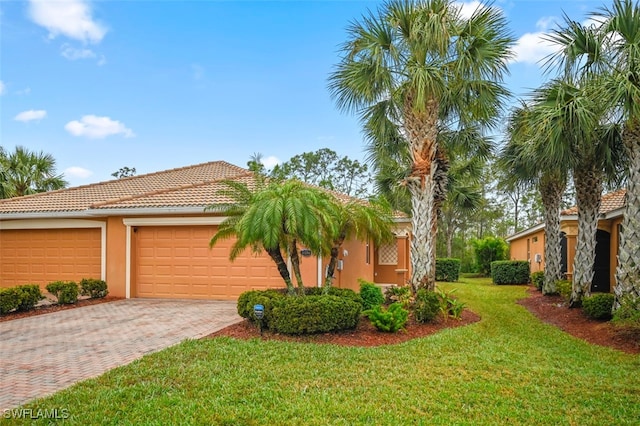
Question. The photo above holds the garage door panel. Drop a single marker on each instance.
(176, 261)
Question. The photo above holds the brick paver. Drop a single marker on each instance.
(43, 354)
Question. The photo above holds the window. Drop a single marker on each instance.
(388, 254)
(528, 249)
(367, 253)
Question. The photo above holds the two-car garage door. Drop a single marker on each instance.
(176, 262)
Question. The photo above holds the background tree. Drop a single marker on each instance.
(24, 172)
(415, 65)
(487, 250)
(124, 172)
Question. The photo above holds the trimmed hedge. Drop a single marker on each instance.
(537, 278)
(93, 288)
(426, 306)
(248, 299)
(65, 291)
(30, 295)
(333, 291)
(510, 272)
(598, 306)
(371, 295)
(9, 300)
(447, 269)
(313, 314)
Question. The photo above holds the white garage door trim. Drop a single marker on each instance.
(65, 224)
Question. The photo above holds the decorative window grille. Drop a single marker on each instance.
(388, 254)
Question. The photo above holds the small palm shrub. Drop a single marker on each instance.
(598, 306)
(9, 300)
(65, 291)
(371, 295)
(93, 288)
(426, 306)
(388, 320)
(398, 294)
(537, 278)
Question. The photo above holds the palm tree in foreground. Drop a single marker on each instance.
(413, 66)
(24, 172)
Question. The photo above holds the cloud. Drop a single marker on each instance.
(3, 88)
(72, 54)
(77, 172)
(547, 22)
(467, 8)
(270, 162)
(94, 127)
(31, 115)
(531, 48)
(70, 18)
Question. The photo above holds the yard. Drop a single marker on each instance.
(507, 368)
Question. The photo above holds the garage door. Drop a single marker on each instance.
(44, 255)
(176, 262)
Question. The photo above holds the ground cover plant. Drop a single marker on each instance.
(508, 368)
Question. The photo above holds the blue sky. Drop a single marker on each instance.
(162, 84)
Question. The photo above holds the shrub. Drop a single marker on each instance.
(488, 250)
(537, 278)
(510, 272)
(30, 295)
(93, 288)
(313, 314)
(390, 320)
(334, 291)
(627, 317)
(65, 291)
(266, 298)
(9, 300)
(426, 305)
(398, 294)
(564, 289)
(449, 305)
(371, 295)
(447, 269)
(598, 306)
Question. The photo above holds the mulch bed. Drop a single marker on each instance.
(45, 309)
(552, 310)
(364, 334)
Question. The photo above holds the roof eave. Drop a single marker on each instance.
(526, 232)
(612, 214)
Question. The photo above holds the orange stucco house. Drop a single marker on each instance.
(148, 235)
(529, 244)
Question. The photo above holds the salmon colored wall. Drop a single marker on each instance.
(116, 260)
(615, 243)
(398, 274)
(518, 249)
(355, 265)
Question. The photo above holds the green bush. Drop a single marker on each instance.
(390, 320)
(510, 272)
(30, 295)
(449, 305)
(447, 269)
(426, 306)
(9, 300)
(537, 278)
(266, 298)
(564, 289)
(65, 291)
(488, 250)
(598, 306)
(313, 314)
(93, 288)
(398, 294)
(334, 291)
(627, 318)
(371, 295)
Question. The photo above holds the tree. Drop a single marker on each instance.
(410, 68)
(487, 250)
(124, 172)
(24, 172)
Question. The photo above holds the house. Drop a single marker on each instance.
(148, 236)
(529, 244)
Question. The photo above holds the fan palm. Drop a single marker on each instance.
(414, 65)
(24, 172)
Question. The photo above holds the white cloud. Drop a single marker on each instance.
(531, 48)
(270, 162)
(94, 127)
(2, 88)
(467, 8)
(547, 22)
(70, 18)
(73, 53)
(77, 172)
(31, 115)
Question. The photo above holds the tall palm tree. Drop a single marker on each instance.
(25, 172)
(414, 65)
(620, 24)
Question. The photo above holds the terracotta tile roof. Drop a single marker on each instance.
(611, 201)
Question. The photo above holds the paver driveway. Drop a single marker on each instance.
(43, 354)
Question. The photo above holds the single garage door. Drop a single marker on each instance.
(176, 262)
(44, 255)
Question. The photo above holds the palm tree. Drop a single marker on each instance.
(415, 65)
(620, 24)
(276, 217)
(24, 172)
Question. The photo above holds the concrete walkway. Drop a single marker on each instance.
(43, 354)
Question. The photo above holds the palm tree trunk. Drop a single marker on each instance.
(551, 190)
(627, 272)
(295, 265)
(277, 257)
(333, 261)
(588, 184)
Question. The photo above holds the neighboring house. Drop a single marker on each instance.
(529, 244)
(148, 236)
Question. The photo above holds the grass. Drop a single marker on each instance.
(508, 368)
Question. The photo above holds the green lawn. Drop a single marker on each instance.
(508, 368)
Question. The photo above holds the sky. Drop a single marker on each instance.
(161, 84)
